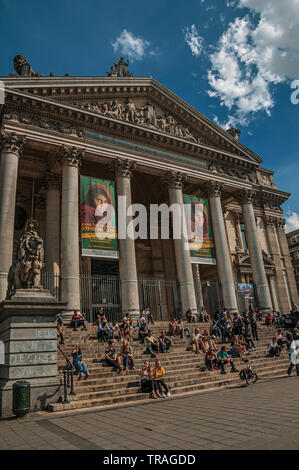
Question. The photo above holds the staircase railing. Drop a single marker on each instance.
(68, 377)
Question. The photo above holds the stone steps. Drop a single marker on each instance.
(184, 373)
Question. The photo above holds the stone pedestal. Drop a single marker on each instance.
(28, 331)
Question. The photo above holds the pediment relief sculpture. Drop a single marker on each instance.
(144, 114)
(234, 172)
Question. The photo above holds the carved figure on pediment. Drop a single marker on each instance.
(170, 124)
(149, 115)
(162, 123)
(178, 131)
(130, 112)
(187, 134)
(25, 272)
(115, 109)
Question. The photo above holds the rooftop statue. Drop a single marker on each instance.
(24, 273)
(23, 68)
(119, 69)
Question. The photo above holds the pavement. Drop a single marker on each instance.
(263, 416)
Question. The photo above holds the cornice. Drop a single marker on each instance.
(67, 119)
(70, 88)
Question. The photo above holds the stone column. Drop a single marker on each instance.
(255, 251)
(224, 263)
(52, 239)
(176, 181)
(127, 262)
(273, 291)
(197, 286)
(11, 145)
(70, 159)
(287, 261)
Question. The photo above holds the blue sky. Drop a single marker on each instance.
(233, 60)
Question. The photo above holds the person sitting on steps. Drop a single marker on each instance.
(174, 328)
(274, 348)
(198, 342)
(159, 377)
(127, 353)
(191, 318)
(152, 345)
(77, 320)
(146, 380)
(211, 360)
(164, 342)
(78, 363)
(208, 341)
(111, 357)
(181, 330)
(203, 315)
(223, 359)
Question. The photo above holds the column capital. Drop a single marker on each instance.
(245, 196)
(213, 188)
(52, 180)
(281, 223)
(124, 167)
(70, 156)
(11, 142)
(175, 179)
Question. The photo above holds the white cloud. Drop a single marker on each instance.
(194, 40)
(256, 52)
(132, 46)
(292, 221)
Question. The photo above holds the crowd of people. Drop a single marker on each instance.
(226, 337)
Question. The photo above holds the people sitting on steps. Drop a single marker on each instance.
(165, 343)
(127, 354)
(148, 315)
(159, 377)
(112, 358)
(78, 320)
(270, 319)
(203, 315)
(274, 348)
(223, 359)
(174, 328)
(209, 341)
(190, 316)
(211, 360)
(100, 316)
(181, 330)
(79, 364)
(143, 331)
(152, 344)
(125, 330)
(197, 342)
(148, 385)
(104, 331)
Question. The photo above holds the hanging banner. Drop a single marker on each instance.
(200, 235)
(246, 291)
(98, 218)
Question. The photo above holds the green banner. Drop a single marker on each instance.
(199, 227)
(98, 218)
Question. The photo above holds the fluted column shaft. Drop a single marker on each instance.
(11, 145)
(255, 252)
(223, 258)
(127, 261)
(52, 249)
(70, 159)
(176, 181)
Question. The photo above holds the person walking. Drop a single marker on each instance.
(253, 324)
(294, 356)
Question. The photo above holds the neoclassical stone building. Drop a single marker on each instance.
(155, 147)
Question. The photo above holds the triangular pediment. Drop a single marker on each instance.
(140, 101)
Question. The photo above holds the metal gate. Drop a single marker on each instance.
(161, 296)
(100, 291)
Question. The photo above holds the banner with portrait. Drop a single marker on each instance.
(199, 229)
(98, 218)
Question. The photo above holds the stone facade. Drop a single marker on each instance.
(155, 146)
(293, 244)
